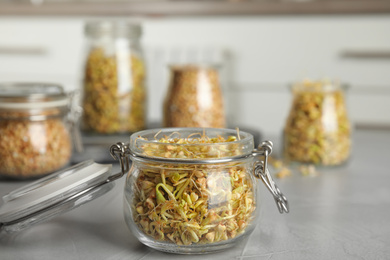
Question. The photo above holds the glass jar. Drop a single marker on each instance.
(114, 99)
(318, 130)
(34, 129)
(188, 190)
(194, 98)
(194, 190)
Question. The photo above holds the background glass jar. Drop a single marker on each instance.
(34, 129)
(318, 130)
(192, 190)
(194, 98)
(114, 98)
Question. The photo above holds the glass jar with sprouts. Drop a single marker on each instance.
(114, 91)
(193, 190)
(318, 130)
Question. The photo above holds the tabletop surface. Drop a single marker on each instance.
(342, 213)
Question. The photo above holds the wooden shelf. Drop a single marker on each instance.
(195, 8)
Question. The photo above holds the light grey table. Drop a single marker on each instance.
(342, 213)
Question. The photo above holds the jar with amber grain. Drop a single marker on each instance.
(194, 98)
(318, 130)
(114, 98)
(34, 129)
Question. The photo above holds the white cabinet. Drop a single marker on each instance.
(37, 49)
(261, 54)
(268, 53)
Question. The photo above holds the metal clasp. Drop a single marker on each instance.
(261, 172)
(120, 151)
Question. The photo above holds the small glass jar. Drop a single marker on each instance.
(114, 98)
(318, 130)
(193, 190)
(194, 98)
(34, 129)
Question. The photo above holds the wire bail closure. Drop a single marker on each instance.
(121, 152)
(261, 172)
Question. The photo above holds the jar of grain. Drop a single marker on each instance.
(114, 98)
(318, 130)
(194, 98)
(35, 123)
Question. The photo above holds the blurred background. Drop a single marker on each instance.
(262, 46)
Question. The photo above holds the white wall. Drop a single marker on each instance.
(262, 56)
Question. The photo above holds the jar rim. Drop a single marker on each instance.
(114, 28)
(142, 140)
(180, 67)
(320, 85)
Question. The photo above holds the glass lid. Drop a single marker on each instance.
(32, 96)
(53, 195)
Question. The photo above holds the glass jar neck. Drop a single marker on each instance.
(33, 114)
(322, 86)
(191, 143)
(113, 30)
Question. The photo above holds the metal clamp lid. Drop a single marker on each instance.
(31, 96)
(120, 151)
